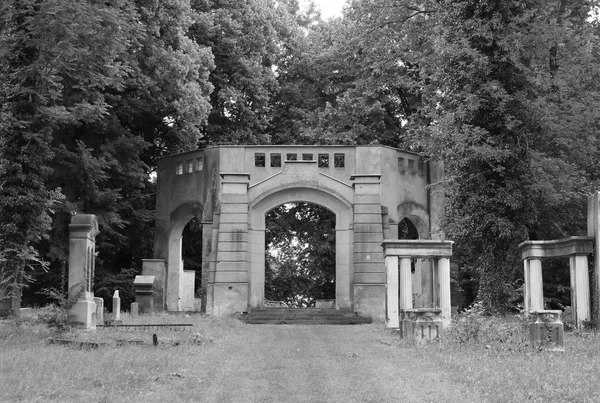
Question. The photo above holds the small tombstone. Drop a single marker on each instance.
(99, 311)
(116, 306)
(143, 293)
(135, 309)
(546, 330)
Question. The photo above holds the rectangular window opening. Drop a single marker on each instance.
(199, 164)
(259, 160)
(339, 160)
(190, 166)
(291, 157)
(307, 157)
(275, 160)
(179, 169)
(323, 160)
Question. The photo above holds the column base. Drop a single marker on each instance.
(82, 315)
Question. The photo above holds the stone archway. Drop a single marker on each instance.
(343, 212)
(180, 285)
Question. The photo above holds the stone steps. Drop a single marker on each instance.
(306, 316)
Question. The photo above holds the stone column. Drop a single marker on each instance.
(443, 269)
(82, 240)
(391, 268)
(405, 284)
(580, 289)
(526, 288)
(536, 285)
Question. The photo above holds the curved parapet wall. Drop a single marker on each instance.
(230, 188)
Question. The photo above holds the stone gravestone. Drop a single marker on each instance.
(116, 306)
(143, 293)
(82, 243)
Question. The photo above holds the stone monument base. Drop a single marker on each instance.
(83, 314)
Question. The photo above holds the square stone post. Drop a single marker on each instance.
(82, 241)
(391, 268)
(536, 285)
(580, 289)
(443, 272)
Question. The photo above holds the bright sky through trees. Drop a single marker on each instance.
(330, 8)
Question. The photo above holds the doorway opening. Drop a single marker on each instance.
(300, 256)
(191, 252)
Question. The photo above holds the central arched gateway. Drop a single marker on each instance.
(343, 213)
(229, 189)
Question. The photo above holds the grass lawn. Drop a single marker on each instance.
(223, 360)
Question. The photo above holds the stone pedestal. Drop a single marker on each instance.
(142, 286)
(82, 240)
(156, 268)
(423, 324)
(546, 330)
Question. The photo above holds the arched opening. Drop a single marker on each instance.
(300, 256)
(191, 253)
(407, 230)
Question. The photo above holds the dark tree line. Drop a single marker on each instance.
(93, 92)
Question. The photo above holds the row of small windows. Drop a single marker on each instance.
(189, 166)
(339, 160)
(411, 166)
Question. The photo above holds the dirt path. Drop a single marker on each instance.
(285, 363)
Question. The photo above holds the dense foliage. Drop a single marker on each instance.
(93, 92)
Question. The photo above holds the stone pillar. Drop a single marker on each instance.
(343, 275)
(116, 306)
(536, 286)
(207, 232)
(82, 240)
(391, 268)
(526, 288)
(580, 289)
(593, 230)
(212, 265)
(231, 286)
(369, 266)
(443, 269)
(406, 301)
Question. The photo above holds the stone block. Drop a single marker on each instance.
(142, 286)
(82, 314)
(423, 325)
(229, 298)
(546, 330)
(325, 303)
(369, 300)
(369, 278)
(99, 311)
(188, 286)
(156, 268)
(135, 309)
